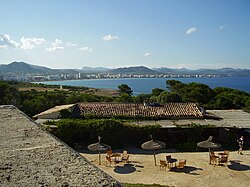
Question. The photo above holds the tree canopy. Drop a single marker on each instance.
(33, 102)
(124, 88)
(8, 94)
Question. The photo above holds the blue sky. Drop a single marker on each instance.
(117, 33)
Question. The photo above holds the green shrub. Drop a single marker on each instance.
(187, 146)
(193, 125)
(113, 132)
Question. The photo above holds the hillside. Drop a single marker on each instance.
(222, 71)
(87, 69)
(22, 67)
(25, 68)
(134, 70)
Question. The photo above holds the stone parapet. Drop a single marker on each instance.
(30, 156)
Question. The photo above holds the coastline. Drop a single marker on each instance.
(145, 85)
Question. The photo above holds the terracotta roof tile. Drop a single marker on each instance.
(169, 110)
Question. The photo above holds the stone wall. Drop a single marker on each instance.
(32, 157)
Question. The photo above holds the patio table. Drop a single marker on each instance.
(222, 154)
(171, 162)
(117, 157)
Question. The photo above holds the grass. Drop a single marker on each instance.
(143, 185)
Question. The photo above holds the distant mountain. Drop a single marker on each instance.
(222, 71)
(22, 67)
(172, 71)
(93, 70)
(25, 68)
(134, 70)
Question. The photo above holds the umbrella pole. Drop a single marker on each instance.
(154, 157)
(99, 158)
(209, 155)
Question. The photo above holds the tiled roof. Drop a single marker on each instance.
(169, 110)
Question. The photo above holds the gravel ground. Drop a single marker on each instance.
(32, 157)
(198, 171)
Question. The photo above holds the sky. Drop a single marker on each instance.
(120, 33)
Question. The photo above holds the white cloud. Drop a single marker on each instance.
(55, 46)
(30, 43)
(69, 44)
(147, 54)
(60, 45)
(6, 42)
(110, 37)
(191, 30)
(221, 27)
(86, 49)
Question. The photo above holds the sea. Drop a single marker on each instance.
(145, 85)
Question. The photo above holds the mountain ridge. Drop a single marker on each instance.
(134, 70)
(26, 68)
(23, 67)
(87, 69)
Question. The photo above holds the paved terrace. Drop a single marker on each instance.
(32, 157)
(198, 172)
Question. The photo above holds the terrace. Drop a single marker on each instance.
(198, 172)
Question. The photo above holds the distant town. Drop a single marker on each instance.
(22, 71)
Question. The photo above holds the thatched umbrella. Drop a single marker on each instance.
(99, 147)
(208, 144)
(153, 145)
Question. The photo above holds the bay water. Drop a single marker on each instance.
(145, 85)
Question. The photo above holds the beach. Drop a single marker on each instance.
(198, 172)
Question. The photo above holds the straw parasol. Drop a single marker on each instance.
(153, 145)
(99, 147)
(208, 144)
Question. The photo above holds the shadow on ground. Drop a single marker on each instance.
(237, 166)
(187, 169)
(125, 169)
(131, 150)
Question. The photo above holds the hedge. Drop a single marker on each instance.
(113, 131)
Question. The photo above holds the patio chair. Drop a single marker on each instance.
(170, 160)
(223, 159)
(181, 165)
(227, 152)
(184, 161)
(109, 152)
(212, 153)
(163, 164)
(213, 157)
(125, 152)
(109, 160)
(125, 156)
